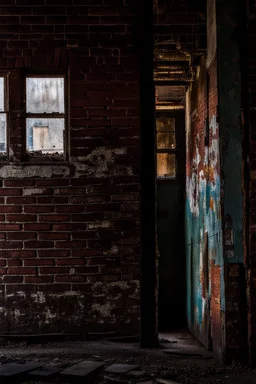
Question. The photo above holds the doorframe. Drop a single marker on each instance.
(148, 278)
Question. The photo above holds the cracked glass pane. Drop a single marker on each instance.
(1, 94)
(45, 136)
(44, 95)
(2, 132)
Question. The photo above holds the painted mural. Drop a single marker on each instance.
(203, 212)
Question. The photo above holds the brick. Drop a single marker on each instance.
(38, 279)
(10, 209)
(32, 19)
(19, 183)
(37, 262)
(14, 263)
(38, 244)
(20, 218)
(69, 279)
(37, 227)
(21, 271)
(38, 209)
(21, 200)
(11, 245)
(21, 236)
(54, 236)
(54, 270)
(70, 261)
(17, 254)
(53, 253)
(12, 280)
(10, 192)
(53, 218)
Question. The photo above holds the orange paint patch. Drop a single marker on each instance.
(211, 203)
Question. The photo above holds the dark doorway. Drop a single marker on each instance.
(170, 148)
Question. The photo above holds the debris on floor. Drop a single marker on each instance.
(106, 362)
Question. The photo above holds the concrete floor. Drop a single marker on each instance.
(179, 358)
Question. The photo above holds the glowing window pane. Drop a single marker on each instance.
(166, 165)
(44, 95)
(165, 128)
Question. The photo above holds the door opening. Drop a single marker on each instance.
(170, 157)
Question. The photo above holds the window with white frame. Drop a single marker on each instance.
(3, 116)
(45, 115)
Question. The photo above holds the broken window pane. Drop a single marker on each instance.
(1, 94)
(165, 128)
(45, 136)
(45, 95)
(166, 165)
(2, 132)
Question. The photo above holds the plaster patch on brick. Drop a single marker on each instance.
(104, 310)
(20, 172)
(17, 313)
(32, 191)
(11, 152)
(49, 315)
(114, 250)
(38, 297)
(99, 224)
(99, 163)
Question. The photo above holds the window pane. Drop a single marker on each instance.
(166, 140)
(165, 124)
(2, 133)
(166, 165)
(45, 136)
(45, 95)
(1, 94)
(165, 127)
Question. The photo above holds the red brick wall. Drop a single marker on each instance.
(69, 237)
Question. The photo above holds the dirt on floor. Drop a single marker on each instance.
(179, 358)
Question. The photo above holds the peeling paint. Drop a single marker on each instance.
(20, 172)
(203, 211)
